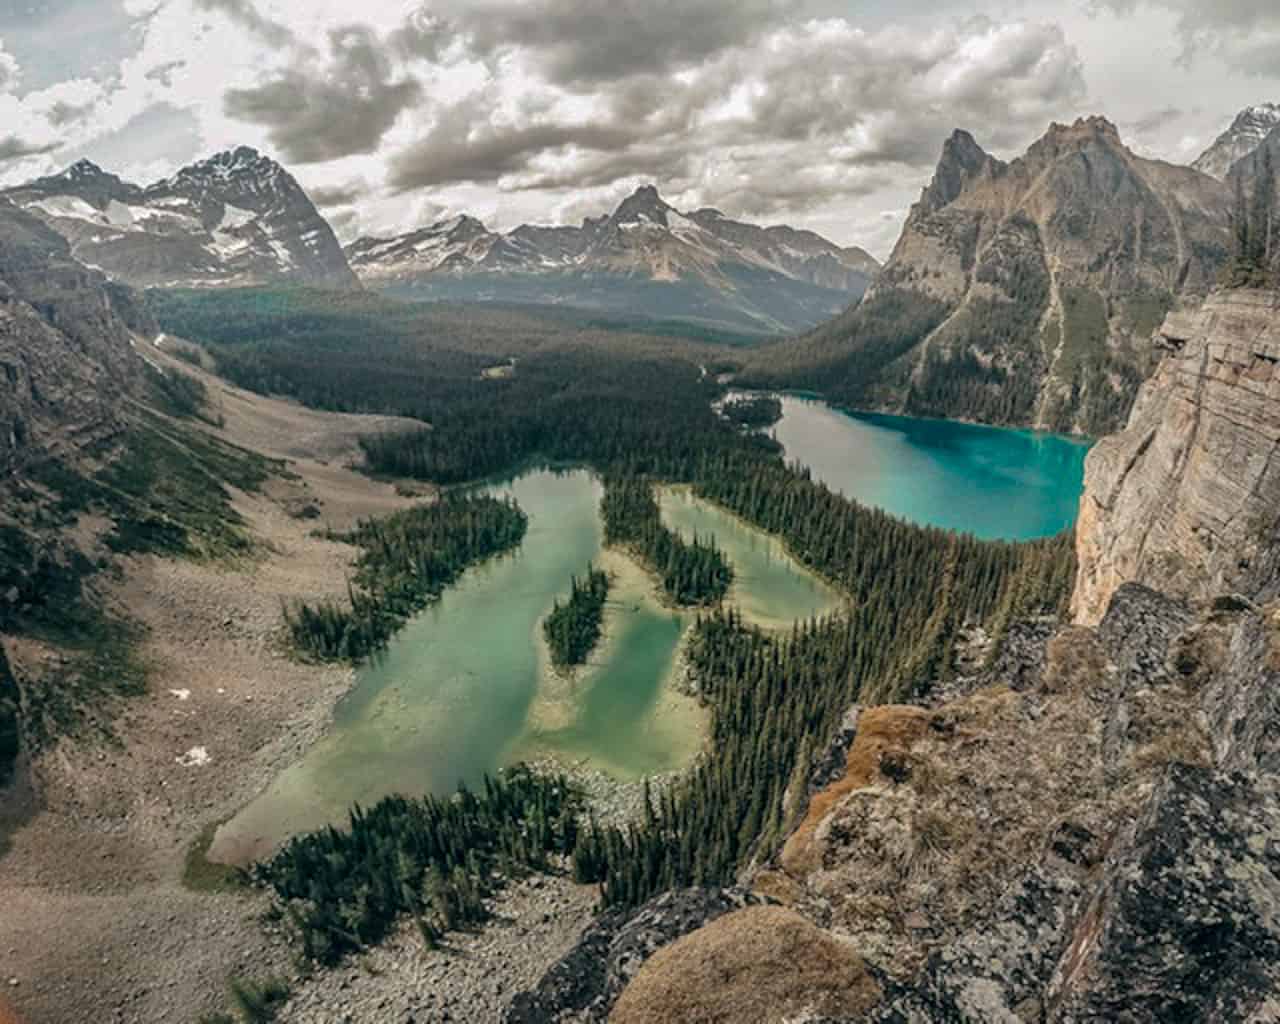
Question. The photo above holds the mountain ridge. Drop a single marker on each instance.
(235, 218)
(716, 268)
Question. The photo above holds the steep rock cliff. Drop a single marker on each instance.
(1186, 499)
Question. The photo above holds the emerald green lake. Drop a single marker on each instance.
(988, 481)
(465, 688)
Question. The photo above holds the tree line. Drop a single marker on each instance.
(1253, 248)
(436, 859)
(406, 561)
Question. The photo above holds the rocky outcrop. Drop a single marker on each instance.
(646, 255)
(237, 218)
(1187, 498)
(1023, 292)
(755, 966)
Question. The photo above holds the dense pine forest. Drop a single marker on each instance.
(406, 561)
(435, 859)
(640, 416)
(692, 573)
(573, 629)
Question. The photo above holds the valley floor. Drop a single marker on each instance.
(98, 923)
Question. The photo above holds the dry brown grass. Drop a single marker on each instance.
(884, 732)
(761, 965)
(1074, 662)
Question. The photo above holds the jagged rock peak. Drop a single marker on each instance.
(962, 161)
(240, 162)
(643, 205)
(81, 170)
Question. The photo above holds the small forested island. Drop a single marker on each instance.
(753, 411)
(573, 629)
(694, 573)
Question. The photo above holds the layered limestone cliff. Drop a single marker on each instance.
(1186, 499)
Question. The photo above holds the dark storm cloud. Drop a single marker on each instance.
(585, 42)
(322, 110)
(810, 114)
(448, 157)
(14, 148)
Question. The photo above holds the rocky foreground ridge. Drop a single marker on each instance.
(1085, 830)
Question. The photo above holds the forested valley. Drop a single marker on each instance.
(638, 416)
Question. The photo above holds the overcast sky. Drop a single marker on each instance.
(817, 113)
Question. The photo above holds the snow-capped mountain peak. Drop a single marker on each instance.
(1246, 133)
(645, 239)
(235, 218)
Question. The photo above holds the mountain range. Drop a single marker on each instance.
(645, 257)
(239, 218)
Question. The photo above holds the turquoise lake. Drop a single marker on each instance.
(995, 483)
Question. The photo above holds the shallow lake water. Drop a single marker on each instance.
(465, 688)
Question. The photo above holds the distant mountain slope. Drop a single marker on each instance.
(1250, 127)
(645, 259)
(65, 347)
(237, 218)
(1023, 292)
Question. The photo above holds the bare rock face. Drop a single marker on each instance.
(1187, 498)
